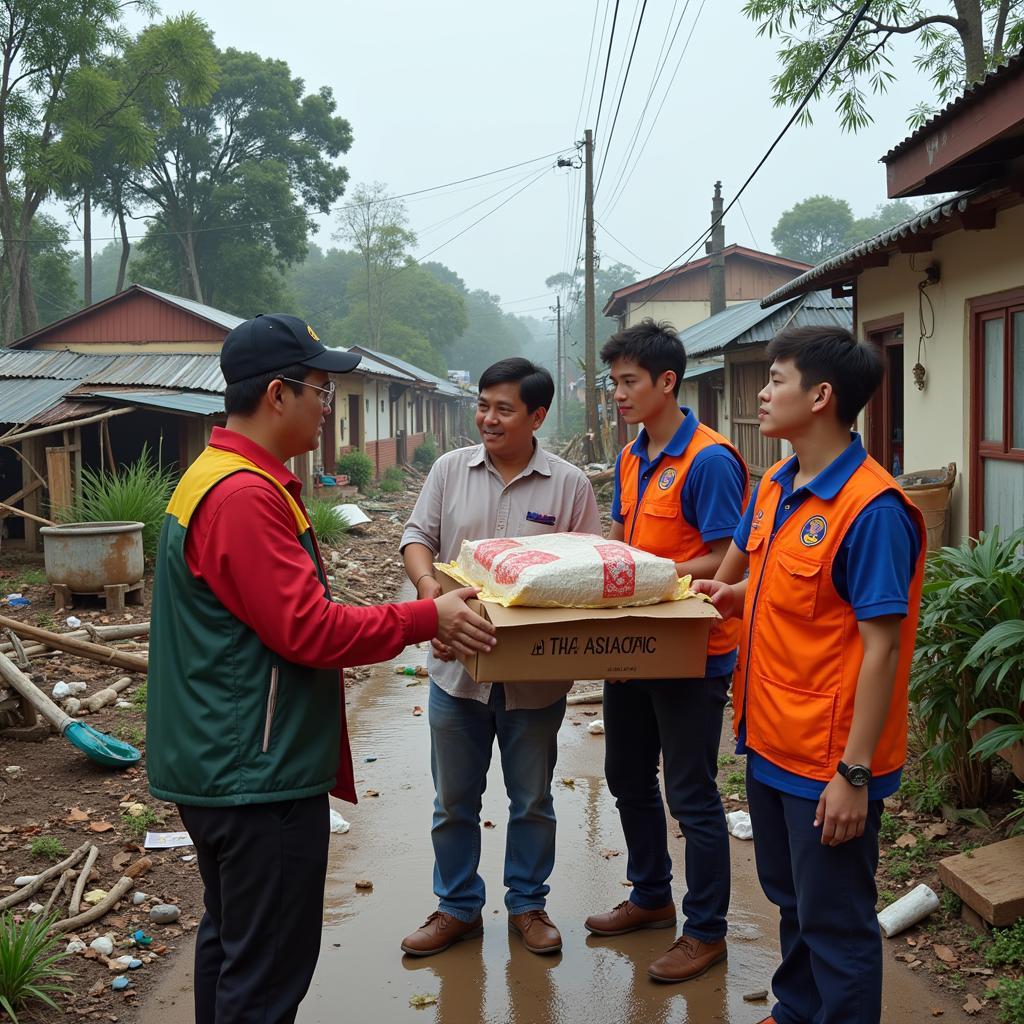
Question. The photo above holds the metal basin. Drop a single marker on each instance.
(89, 556)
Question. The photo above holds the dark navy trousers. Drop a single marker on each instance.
(680, 720)
(831, 971)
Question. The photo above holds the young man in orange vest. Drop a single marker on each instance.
(679, 492)
(835, 554)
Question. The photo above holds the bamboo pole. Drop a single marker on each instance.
(54, 428)
(80, 882)
(60, 641)
(95, 913)
(26, 515)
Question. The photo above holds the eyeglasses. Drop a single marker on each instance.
(328, 391)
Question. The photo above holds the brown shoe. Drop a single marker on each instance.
(688, 958)
(537, 931)
(628, 917)
(440, 931)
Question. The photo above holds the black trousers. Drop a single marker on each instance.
(264, 868)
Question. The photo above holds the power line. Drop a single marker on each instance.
(833, 57)
(624, 246)
(661, 63)
(607, 61)
(743, 213)
(335, 209)
(621, 188)
(590, 57)
(618, 106)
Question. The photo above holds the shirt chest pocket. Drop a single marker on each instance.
(794, 586)
(657, 512)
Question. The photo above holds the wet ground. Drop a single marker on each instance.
(363, 977)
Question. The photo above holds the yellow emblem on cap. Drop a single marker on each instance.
(312, 333)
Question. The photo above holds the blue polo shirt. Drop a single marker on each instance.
(872, 572)
(712, 496)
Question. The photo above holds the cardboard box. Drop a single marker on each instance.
(659, 641)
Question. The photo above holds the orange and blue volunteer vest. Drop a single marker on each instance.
(655, 522)
(801, 650)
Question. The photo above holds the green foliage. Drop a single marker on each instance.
(1007, 946)
(393, 480)
(1010, 993)
(328, 526)
(264, 153)
(136, 493)
(426, 455)
(139, 824)
(31, 578)
(965, 664)
(28, 964)
(951, 903)
(357, 466)
(133, 734)
(813, 229)
(606, 280)
(724, 760)
(889, 828)
(139, 696)
(736, 782)
(319, 289)
(923, 788)
(48, 847)
(949, 49)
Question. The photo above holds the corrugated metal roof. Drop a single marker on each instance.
(993, 80)
(445, 387)
(217, 316)
(187, 402)
(911, 226)
(749, 324)
(23, 398)
(191, 372)
(374, 366)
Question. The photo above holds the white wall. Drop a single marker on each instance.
(973, 264)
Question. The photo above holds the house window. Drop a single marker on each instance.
(759, 452)
(997, 412)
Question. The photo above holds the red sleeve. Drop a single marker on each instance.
(242, 544)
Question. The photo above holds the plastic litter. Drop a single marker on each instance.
(596, 728)
(17, 601)
(123, 705)
(738, 824)
(339, 826)
(73, 621)
(77, 688)
(411, 670)
(120, 984)
(142, 939)
(24, 880)
(104, 945)
(60, 691)
(35, 908)
(166, 840)
(351, 515)
(75, 946)
(910, 908)
(369, 760)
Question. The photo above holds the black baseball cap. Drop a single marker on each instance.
(272, 341)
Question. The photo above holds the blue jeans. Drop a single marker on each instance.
(462, 733)
(680, 719)
(831, 970)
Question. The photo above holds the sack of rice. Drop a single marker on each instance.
(566, 570)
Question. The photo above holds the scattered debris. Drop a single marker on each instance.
(423, 1000)
(167, 840)
(755, 997)
(364, 883)
(739, 824)
(910, 908)
(596, 728)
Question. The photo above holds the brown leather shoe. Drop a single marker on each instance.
(537, 931)
(628, 917)
(687, 958)
(440, 931)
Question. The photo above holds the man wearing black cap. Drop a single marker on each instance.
(245, 712)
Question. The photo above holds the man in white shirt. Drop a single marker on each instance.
(507, 486)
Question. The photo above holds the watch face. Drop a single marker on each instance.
(857, 775)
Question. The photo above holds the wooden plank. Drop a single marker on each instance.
(58, 472)
(989, 880)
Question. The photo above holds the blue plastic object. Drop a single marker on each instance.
(100, 747)
(120, 984)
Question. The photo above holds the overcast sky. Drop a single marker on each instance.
(440, 91)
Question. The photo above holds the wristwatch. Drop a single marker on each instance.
(855, 774)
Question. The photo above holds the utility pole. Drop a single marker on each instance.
(559, 367)
(594, 437)
(714, 247)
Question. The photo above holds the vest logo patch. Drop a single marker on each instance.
(813, 531)
(755, 523)
(667, 478)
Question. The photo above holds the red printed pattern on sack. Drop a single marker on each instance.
(510, 567)
(619, 570)
(486, 552)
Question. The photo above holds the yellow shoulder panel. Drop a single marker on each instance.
(212, 466)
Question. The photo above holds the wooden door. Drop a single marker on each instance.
(885, 426)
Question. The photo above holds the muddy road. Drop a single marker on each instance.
(363, 977)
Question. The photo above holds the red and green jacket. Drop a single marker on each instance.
(245, 699)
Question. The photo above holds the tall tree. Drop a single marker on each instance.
(319, 287)
(886, 215)
(957, 40)
(103, 117)
(42, 43)
(606, 280)
(234, 180)
(813, 229)
(377, 226)
(53, 284)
